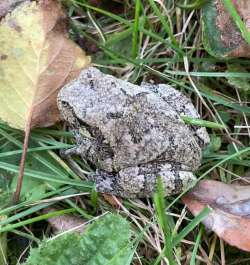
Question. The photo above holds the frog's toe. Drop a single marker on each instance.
(66, 153)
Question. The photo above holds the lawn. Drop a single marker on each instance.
(137, 41)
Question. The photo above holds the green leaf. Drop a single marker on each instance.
(106, 242)
(214, 145)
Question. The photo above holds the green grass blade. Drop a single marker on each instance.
(24, 213)
(202, 215)
(127, 23)
(202, 123)
(194, 5)
(227, 158)
(163, 221)
(46, 177)
(166, 27)
(136, 29)
(35, 149)
(35, 219)
(196, 246)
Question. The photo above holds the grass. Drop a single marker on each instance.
(152, 41)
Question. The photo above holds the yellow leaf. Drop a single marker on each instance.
(36, 60)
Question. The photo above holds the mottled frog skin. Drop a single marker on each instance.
(132, 134)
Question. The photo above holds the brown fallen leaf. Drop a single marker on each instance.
(230, 216)
(65, 222)
(112, 200)
(37, 59)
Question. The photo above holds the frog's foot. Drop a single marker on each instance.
(141, 181)
(81, 150)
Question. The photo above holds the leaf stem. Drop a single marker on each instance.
(23, 159)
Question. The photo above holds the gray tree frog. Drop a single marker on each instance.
(132, 134)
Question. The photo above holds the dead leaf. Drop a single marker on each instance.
(37, 59)
(230, 216)
(221, 37)
(112, 200)
(65, 222)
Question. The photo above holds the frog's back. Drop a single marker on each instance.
(135, 122)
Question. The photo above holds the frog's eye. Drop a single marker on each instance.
(64, 103)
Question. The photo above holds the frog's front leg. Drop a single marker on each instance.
(141, 181)
(91, 151)
(82, 150)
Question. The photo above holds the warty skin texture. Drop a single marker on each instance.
(135, 133)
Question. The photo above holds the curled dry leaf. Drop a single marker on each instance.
(112, 200)
(221, 36)
(230, 218)
(36, 60)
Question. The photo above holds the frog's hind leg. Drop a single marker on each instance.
(141, 181)
(183, 106)
(126, 184)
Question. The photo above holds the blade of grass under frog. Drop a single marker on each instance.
(35, 149)
(47, 177)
